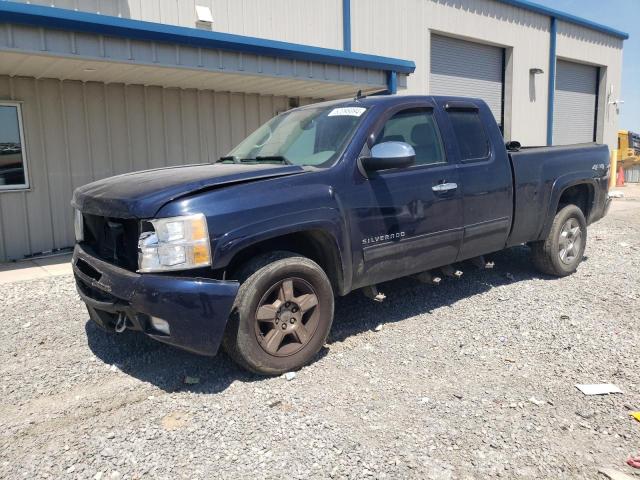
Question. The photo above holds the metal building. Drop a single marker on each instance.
(93, 88)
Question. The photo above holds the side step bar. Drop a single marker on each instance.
(428, 277)
(372, 292)
(449, 271)
(480, 262)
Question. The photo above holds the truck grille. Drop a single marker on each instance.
(114, 240)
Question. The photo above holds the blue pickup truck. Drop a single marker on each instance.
(249, 252)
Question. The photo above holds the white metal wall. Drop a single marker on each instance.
(382, 27)
(403, 31)
(310, 22)
(467, 69)
(574, 114)
(79, 132)
(406, 32)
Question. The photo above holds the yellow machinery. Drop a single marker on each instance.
(628, 148)
(626, 156)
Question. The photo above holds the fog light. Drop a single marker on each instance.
(161, 325)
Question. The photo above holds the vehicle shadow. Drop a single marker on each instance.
(164, 366)
(167, 368)
(407, 297)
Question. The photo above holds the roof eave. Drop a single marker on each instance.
(566, 17)
(58, 18)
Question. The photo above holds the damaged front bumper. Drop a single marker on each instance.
(196, 309)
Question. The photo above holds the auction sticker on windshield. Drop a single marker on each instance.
(348, 111)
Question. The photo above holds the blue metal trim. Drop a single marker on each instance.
(553, 33)
(392, 82)
(565, 17)
(58, 18)
(346, 25)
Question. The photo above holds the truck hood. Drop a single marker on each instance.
(142, 194)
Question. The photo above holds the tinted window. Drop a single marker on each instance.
(470, 134)
(416, 127)
(12, 164)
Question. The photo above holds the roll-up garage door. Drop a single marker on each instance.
(574, 113)
(468, 69)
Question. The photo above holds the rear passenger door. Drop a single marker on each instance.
(406, 220)
(485, 175)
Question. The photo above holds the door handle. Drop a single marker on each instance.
(444, 187)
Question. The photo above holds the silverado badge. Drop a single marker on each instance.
(382, 238)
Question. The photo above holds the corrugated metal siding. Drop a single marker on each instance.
(632, 174)
(79, 132)
(309, 22)
(574, 114)
(467, 69)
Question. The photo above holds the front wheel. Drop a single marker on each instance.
(562, 251)
(282, 315)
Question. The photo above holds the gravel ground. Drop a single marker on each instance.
(471, 379)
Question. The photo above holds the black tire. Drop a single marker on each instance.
(547, 255)
(264, 283)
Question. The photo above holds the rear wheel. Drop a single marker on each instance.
(282, 315)
(562, 251)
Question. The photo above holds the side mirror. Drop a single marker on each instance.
(513, 146)
(387, 155)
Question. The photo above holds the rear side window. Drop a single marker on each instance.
(470, 134)
(418, 128)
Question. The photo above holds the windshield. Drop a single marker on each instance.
(307, 137)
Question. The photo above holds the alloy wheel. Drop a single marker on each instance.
(287, 317)
(570, 242)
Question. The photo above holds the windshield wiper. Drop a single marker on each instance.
(229, 158)
(268, 158)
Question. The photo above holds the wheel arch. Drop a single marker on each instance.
(317, 244)
(581, 195)
(569, 191)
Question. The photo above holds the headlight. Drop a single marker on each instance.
(176, 243)
(78, 225)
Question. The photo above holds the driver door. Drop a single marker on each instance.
(407, 220)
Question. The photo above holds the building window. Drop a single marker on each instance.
(13, 160)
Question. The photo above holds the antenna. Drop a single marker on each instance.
(359, 95)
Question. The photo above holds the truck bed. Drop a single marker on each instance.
(541, 173)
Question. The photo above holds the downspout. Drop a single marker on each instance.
(392, 76)
(346, 25)
(392, 82)
(553, 31)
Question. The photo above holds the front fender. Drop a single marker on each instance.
(327, 220)
(243, 215)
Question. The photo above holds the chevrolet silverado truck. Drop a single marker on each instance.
(249, 251)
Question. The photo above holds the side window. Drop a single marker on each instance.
(13, 164)
(470, 134)
(418, 128)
